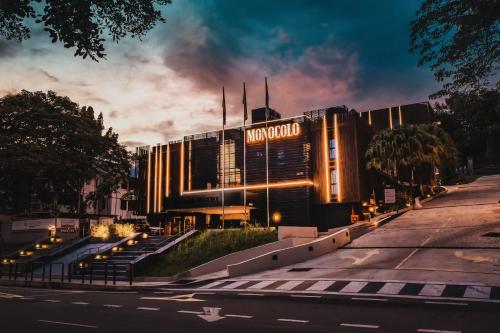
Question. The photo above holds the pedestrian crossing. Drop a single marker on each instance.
(378, 288)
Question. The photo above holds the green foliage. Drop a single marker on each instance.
(207, 246)
(473, 120)
(413, 148)
(49, 147)
(80, 24)
(460, 40)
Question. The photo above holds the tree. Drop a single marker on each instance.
(473, 120)
(49, 147)
(410, 152)
(80, 24)
(460, 39)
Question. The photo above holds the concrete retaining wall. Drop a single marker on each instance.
(221, 263)
(285, 232)
(291, 255)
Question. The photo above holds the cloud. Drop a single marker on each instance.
(49, 76)
(133, 144)
(8, 48)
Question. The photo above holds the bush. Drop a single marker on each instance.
(207, 246)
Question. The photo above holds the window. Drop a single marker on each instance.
(334, 188)
(332, 146)
(231, 173)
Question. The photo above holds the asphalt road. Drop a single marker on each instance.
(50, 310)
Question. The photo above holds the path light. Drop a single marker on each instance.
(276, 217)
(145, 236)
(115, 249)
(38, 246)
(5, 261)
(98, 257)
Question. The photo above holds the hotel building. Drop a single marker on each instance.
(315, 173)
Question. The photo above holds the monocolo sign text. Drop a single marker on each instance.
(273, 132)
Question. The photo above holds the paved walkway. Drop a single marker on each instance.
(449, 241)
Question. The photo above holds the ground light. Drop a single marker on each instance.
(276, 217)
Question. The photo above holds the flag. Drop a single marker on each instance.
(223, 107)
(245, 113)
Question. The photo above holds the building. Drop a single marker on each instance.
(315, 177)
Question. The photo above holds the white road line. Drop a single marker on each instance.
(391, 288)
(369, 299)
(262, 284)
(320, 285)
(289, 285)
(80, 303)
(211, 285)
(250, 294)
(434, 290)
(112, 306)
(235, 285)
(147, 309)
(190, 312)
(359, 325)
(293, 320)
(27, 298)
(238, 316)
(306, 296)
(406, 259)
(477, 292)
(436, 331)
(163, 292)
(52, 300)
(446, 303)
(354, 287)
(63, 323)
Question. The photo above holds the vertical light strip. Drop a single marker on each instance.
(369, 118)
(167, 177)
(337, 162)
(390, 118)
(181, 187)
(155, 181)
(400, 115)
(189, 166)
(327, 159)
(160, 173)
(148, 185)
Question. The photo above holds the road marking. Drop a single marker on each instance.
(239, 316)
(320, 285)
(63, 323)
(52, 300)
(475, 258)
(250, 294)
(262, 284)
(359, 260)
(413, 252)
(436, 331)
(477, 292)
(306, 296)
(289, 285)
(211, 314)
(293, 320)
(112, 306)
(446, 303)
(235, 285)
(81, 303)
(177, 298)
(163, 292)
(7, 295)
(391, 288)
(433, 290)
(354, 287)
(211, 285)
(190, 312)
(27, 298)
(359, 325)
(147, 309)
(369, 299)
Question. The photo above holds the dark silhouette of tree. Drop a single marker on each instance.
(460, 39)
(80, 24)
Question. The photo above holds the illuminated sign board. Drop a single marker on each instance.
(276, 132)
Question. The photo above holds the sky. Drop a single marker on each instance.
(316, 54)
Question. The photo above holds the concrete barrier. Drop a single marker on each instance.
(221, 263)
(285, 232)
(291, 255)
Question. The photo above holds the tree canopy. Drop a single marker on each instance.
(81, 24)
(460, 39)
(49, 147)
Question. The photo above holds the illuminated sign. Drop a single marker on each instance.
(289, 130)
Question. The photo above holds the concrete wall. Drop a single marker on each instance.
(285, 232)
(291, 255)
(221, 263)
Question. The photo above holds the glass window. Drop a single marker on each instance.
(332, 149)
(231, 173)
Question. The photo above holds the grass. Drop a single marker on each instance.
(206, 246)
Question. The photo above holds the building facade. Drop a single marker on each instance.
(307, 170)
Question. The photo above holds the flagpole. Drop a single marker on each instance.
(267, 156)
(223, 152)
(244, 153)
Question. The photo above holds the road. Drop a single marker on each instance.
(51, 310)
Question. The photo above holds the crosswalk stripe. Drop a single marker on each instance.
(289, 285)
(432, 290)
(354, 287)
(320, 285)
(391, 288)
(234, 285)
(477, 292)
(262, 284)
(212, 284)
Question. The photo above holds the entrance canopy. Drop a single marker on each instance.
(213, 210)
